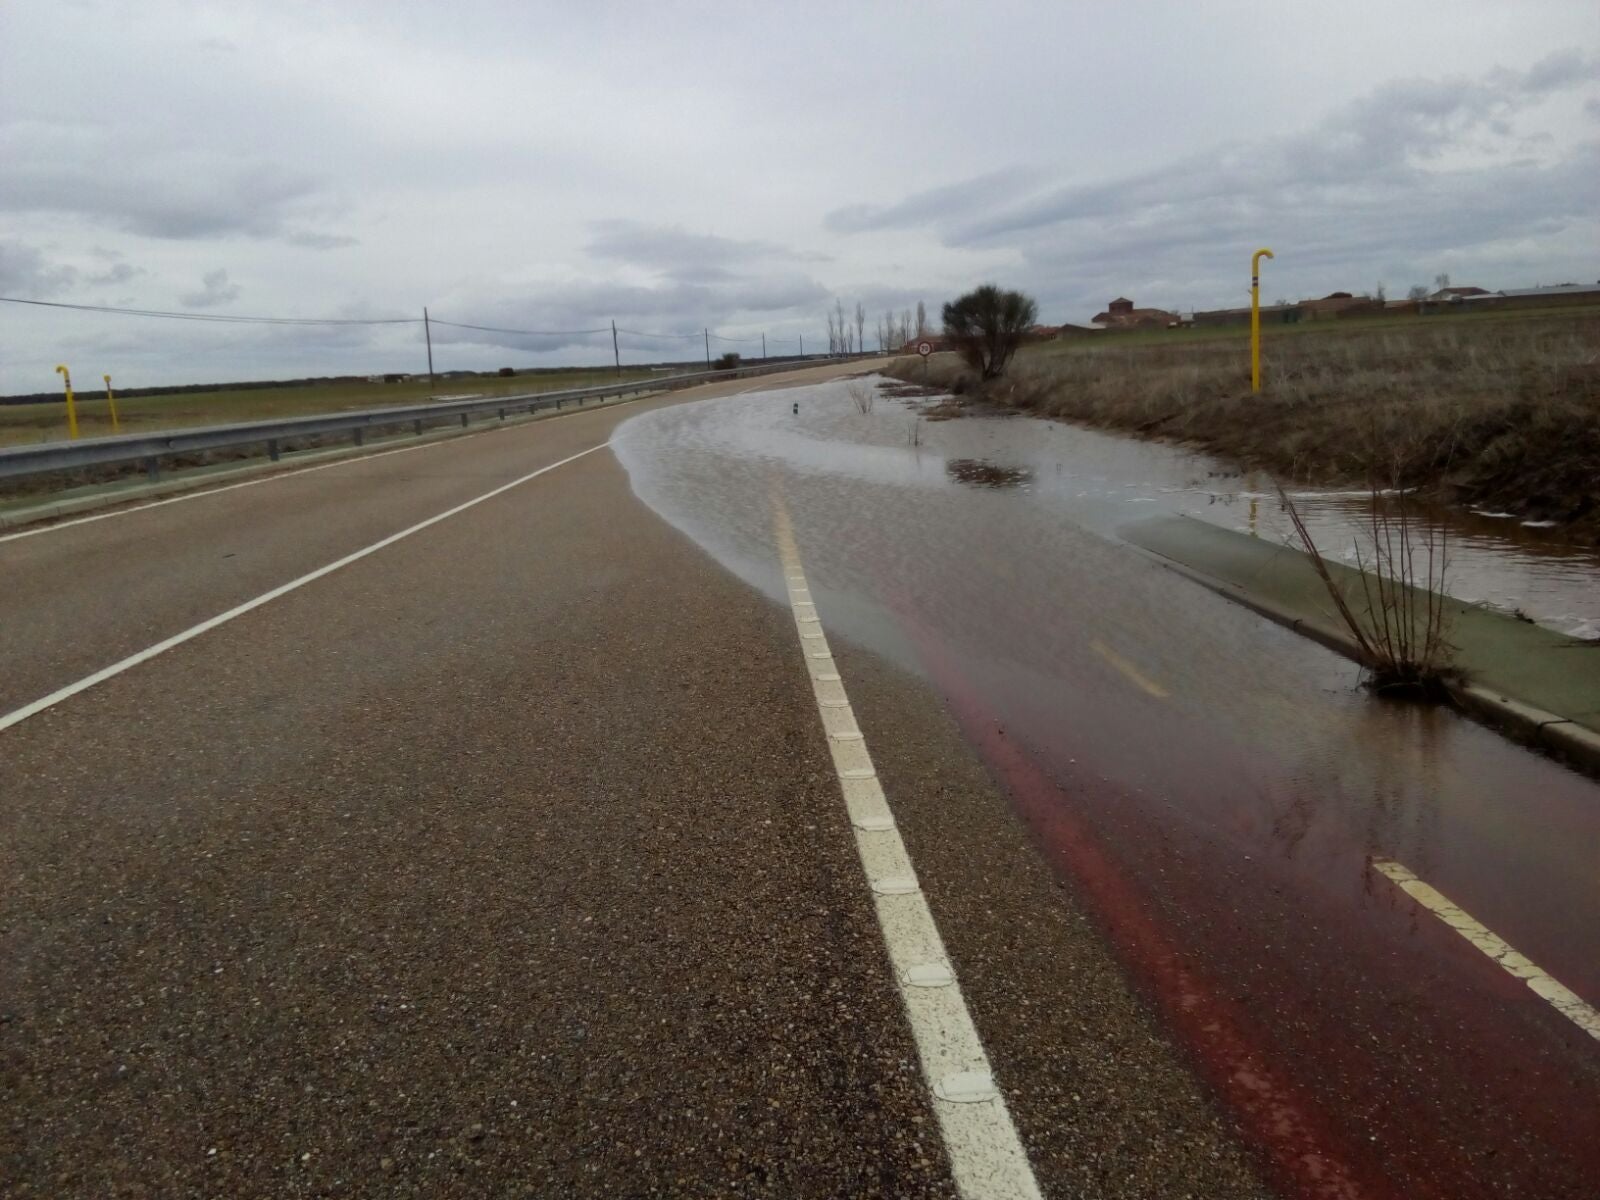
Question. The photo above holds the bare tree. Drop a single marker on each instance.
(1417, 291)
(843, 324)
(861, 327)
(922, 319)
(1441, 281)
(833, 336)
(1380, 293)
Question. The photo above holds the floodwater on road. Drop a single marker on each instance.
(1213, 788)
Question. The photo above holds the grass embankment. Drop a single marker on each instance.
(25, 423)
(1502, 413)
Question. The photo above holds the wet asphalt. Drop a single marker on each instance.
(508, 861)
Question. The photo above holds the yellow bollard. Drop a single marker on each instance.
(1255, 317)
(72, 409)
(116, 426)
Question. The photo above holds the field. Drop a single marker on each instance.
(26, 423)
(1498, 410)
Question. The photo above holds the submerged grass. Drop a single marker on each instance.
(1483, 412)
(1395, 608)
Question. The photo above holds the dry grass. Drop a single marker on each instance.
(1503, 413)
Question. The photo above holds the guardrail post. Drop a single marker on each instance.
(360, 435)
(502, 414)
(463, 420)
(416, 427)
(272, 449)
(152, 468)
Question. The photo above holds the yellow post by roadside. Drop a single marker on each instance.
(72, 409)
(1255, 317)
(116, 426)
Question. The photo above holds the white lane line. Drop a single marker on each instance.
(201, 492)
(1544, 985)
(133, 660)
(986, 1155)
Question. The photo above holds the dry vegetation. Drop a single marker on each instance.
(1395, 608)
(1501, 413)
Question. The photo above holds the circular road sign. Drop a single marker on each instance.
(924, 348)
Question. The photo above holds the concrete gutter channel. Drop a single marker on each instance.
(1539, 686)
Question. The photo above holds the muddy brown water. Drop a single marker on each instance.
(1211, 787)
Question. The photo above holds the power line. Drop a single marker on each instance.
(217, 318)
(639, 333)
(525, 332)
(239, 319)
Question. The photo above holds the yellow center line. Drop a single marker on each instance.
(1139, 679)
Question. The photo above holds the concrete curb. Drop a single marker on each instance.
(77, 506)
(1525, 723)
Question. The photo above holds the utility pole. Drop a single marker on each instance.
(802, 345)
(763, 345)
(616, 354)
(427, 332)
(708, 349)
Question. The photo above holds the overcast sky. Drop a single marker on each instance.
(675, 166)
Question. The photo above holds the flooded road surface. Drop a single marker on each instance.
(1214, 789)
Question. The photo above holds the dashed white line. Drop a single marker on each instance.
(17, 716)
(1544, 985)
(986, 1155)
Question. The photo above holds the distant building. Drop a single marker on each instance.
(1554, 296)
(1558, 293)
(1338, 304)
(1449, 295)
(1121, 314)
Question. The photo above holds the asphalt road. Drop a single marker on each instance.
(506, 859)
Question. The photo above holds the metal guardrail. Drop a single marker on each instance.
(148, 449)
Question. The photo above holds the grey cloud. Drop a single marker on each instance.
(675, 250)
(117, 273)
(27, 275)
(674, 308)
(320, 241)
(217, 290)
(1377, 186)
(152, 191)
(1376, 144)
(937, 205)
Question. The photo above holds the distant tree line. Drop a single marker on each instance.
(847, 332)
